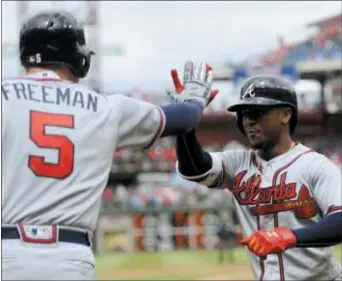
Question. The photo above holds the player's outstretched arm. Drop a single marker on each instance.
(196, 164)
(193, 162)
(181, 118)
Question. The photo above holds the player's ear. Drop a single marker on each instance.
(285, 115)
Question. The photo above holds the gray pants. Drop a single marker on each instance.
(59, 261)
(228, 247)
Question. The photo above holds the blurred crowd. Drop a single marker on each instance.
(162, 156)
(138, 197)
(322, 46)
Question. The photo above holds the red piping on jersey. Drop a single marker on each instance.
(334, 209)
(261, 260)
(160, 129)
(275, 215)
(256, 164)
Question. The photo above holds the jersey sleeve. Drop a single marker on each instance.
(326, 184)
(139, 123)
(224, 167)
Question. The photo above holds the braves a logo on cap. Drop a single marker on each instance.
(249, 92)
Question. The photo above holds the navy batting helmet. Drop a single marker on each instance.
(267, 91)
(55, 38)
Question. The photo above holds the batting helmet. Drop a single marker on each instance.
(266, 91)
(55, 38)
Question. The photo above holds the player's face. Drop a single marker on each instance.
(263, 125)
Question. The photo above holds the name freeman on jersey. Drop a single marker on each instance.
(52, 95)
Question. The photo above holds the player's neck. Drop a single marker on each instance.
(62, 72)
(284, 145)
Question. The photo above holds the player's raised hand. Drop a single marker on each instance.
(265, 242)
(197, 83)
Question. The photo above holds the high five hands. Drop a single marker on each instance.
(197, 83)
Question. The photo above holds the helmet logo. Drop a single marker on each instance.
(249, 92)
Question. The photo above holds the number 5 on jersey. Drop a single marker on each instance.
(64, 167)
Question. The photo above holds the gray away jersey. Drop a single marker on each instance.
(297, 189)
(58, 141)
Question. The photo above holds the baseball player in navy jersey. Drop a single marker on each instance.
(288, 197)
(58, 139)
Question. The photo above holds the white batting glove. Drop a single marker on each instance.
(197, 80)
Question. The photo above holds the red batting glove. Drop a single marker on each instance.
(265, 242)
(179, 87)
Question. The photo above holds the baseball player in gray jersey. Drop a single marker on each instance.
(58, 140)
(288, 197)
